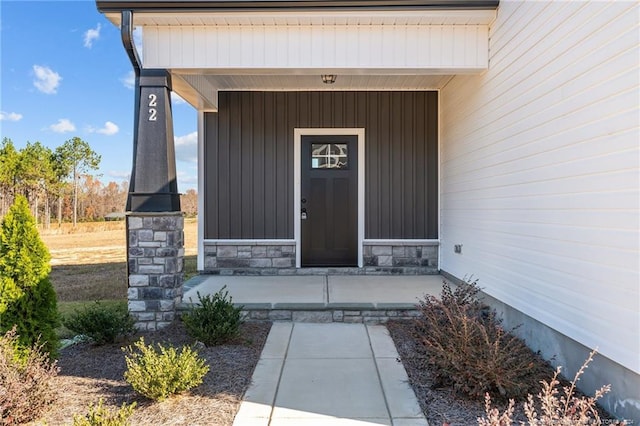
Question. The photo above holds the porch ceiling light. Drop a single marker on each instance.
(328, 78)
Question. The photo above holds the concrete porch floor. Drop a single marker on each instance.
(317, 292)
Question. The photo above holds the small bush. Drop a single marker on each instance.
(26, 387)
(470, 351)
(556, 408)
(215, 321)
(103, 324)
(159, 373)
(101, 416)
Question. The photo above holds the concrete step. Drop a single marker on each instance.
(319, 298)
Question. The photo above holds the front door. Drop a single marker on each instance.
(329, 200)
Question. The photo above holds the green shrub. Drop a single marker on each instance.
(99, 415)
(102, 323)
(159, 373)
(556, 408)
(27, 298)
(470, 351)
(24, 259)
(35, 316)
(26, 388)
(215, 321)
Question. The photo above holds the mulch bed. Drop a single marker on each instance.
(441, 405)
(89, 372)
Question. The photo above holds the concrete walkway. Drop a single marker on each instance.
(329, 374)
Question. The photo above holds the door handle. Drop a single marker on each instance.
(303, 214)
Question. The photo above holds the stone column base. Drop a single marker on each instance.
(155, 255)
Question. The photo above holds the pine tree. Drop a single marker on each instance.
(27, 298)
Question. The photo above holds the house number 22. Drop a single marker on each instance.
(153, 103)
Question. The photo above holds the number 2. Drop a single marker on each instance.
(153, 102)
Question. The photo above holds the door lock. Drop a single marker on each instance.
(303, 214)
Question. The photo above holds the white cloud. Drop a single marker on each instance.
(187, 181)
(47, 80)
(10, 116)
(119, 174)
(90, 35)
(63, 125)
(177, 99)
(187, 148)
(109, 129)
(129, 80)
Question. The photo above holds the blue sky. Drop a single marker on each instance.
(65, 73)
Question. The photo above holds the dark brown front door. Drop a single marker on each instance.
(329, 201)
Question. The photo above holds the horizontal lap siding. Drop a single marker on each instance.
(540, 170)
(374, 46)
(249, 160)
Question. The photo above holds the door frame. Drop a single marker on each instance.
(297, 180)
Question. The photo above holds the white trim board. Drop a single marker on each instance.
(401, 242)
(201, 214)
(252, 242)
(297, 141)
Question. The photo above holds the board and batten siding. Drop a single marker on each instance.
(249, 170)
(540, 171)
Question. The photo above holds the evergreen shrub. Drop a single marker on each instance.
(35, 317)
(162, 372)
(103, 324)
(24, 259)
(27, 298)
(215, 320)
(99, 415)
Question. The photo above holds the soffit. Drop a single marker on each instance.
(314, 82)
(201, 90)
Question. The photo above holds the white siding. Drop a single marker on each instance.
(409, 48)
(540, 170)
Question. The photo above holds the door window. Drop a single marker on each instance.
(329, 156)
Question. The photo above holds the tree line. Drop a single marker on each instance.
(59, 184)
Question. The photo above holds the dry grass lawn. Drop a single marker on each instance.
(89, 262)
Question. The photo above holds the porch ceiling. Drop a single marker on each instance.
(201, 90)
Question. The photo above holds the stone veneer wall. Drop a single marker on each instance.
(155, 267)
(250, 254)
(279, 258)
(400, 254)
(366, 316)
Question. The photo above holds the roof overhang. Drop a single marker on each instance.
(209, 46)
(106, 6)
